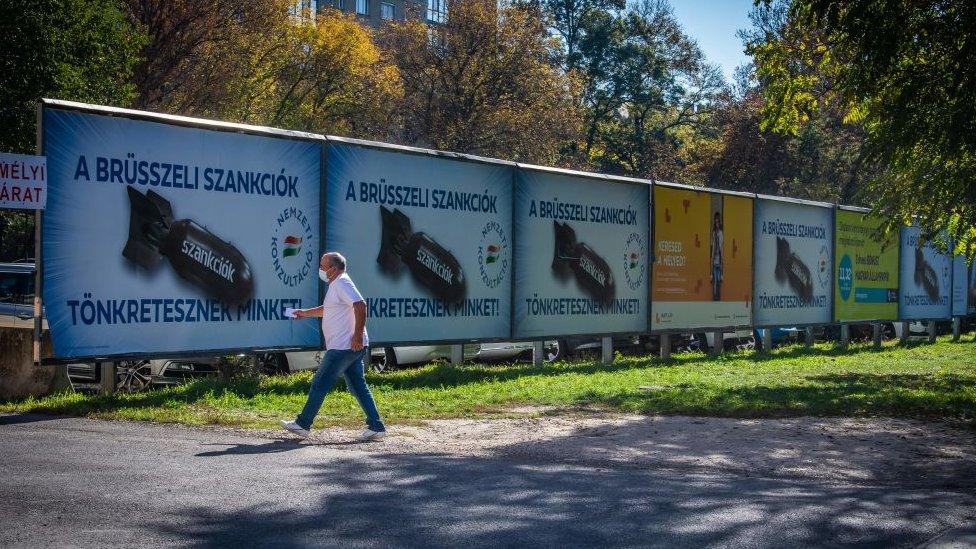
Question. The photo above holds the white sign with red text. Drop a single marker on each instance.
(23, 181)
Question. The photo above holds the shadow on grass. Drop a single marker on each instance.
(851, 394)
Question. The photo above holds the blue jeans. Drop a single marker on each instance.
(350, 365)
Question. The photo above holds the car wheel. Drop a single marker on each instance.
(133, 376)
(388, 360)
(553, 350)
(271, 364)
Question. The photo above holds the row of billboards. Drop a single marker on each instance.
(166, 235)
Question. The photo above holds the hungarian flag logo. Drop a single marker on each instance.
(633, 260)
(492, 255)
(293, 244)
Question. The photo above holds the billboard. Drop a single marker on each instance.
(164, 238)
(971, 309)
(865, 269)
(581, 254)
(428, 238)
(926, 284)
(960, 286)
(793, 243)
(702, 270)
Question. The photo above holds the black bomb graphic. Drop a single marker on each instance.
(195, 253)
(592, 272)
(925, 276)
(791, 269)
(431, 265)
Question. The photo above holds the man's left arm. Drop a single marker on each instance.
(359, 309)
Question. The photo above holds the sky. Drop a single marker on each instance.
(713, 24)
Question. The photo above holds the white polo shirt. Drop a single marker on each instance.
(338, 317)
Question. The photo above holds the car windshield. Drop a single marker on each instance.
(16, 288)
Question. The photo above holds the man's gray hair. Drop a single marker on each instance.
(337, 260)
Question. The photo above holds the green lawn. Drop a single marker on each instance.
(918, 381)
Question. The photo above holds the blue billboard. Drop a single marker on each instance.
(162, 237)
(428, 239)
(960, 286)
(793, 262)
(926, 278)
(581, 256)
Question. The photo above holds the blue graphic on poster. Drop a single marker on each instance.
(793, 263)
(581, 257)
(161, 238)
(428, 239)
(926, 284)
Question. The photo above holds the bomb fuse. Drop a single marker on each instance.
(578, 259)
(433, 266)
(196, 254)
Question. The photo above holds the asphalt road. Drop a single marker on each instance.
(92, 483)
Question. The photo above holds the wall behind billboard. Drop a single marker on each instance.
(926, 283)
(702, 271)
(428, 239)
(160, 238)
(865, 269)
(581, 254)
(793, 282)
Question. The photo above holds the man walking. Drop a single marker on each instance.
(343, 314)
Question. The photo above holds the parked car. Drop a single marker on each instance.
(17, 290)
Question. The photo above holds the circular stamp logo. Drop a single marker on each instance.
(845, 277)
(293, 247)
(635, 261)
(823, 269)
(493, 254)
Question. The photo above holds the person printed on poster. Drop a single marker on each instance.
(717, 243)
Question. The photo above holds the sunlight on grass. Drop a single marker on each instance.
(921, 381)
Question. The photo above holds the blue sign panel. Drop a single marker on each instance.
(793, 256)
(581, 255)
(428, 239)
(161, 238)
(926, 284)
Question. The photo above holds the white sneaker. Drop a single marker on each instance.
(295, 428)
(369, 434)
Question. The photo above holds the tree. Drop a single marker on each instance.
(259, 63)
(903, 70)
(485, 82)
(82, 50)
(648, 90)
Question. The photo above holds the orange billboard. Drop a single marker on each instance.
(702, 273)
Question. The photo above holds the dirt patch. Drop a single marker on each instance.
(864, 450)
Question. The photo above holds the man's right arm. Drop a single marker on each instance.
(304, 313)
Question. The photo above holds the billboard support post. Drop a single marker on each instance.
(109, 374)
(956, 328)
(905, 326)
(931, 328)
(665, 345)
(845, 335)
(537, 352)
(457, 354)
(767, 339)
(717, 343)
(808, 336)
(876, 335)
(606, 346)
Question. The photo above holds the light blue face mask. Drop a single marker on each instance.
(323, 276)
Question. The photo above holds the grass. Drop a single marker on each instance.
(936, 381)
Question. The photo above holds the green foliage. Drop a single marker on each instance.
(903, 70)
(82, 50)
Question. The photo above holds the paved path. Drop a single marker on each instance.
(586, 481)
